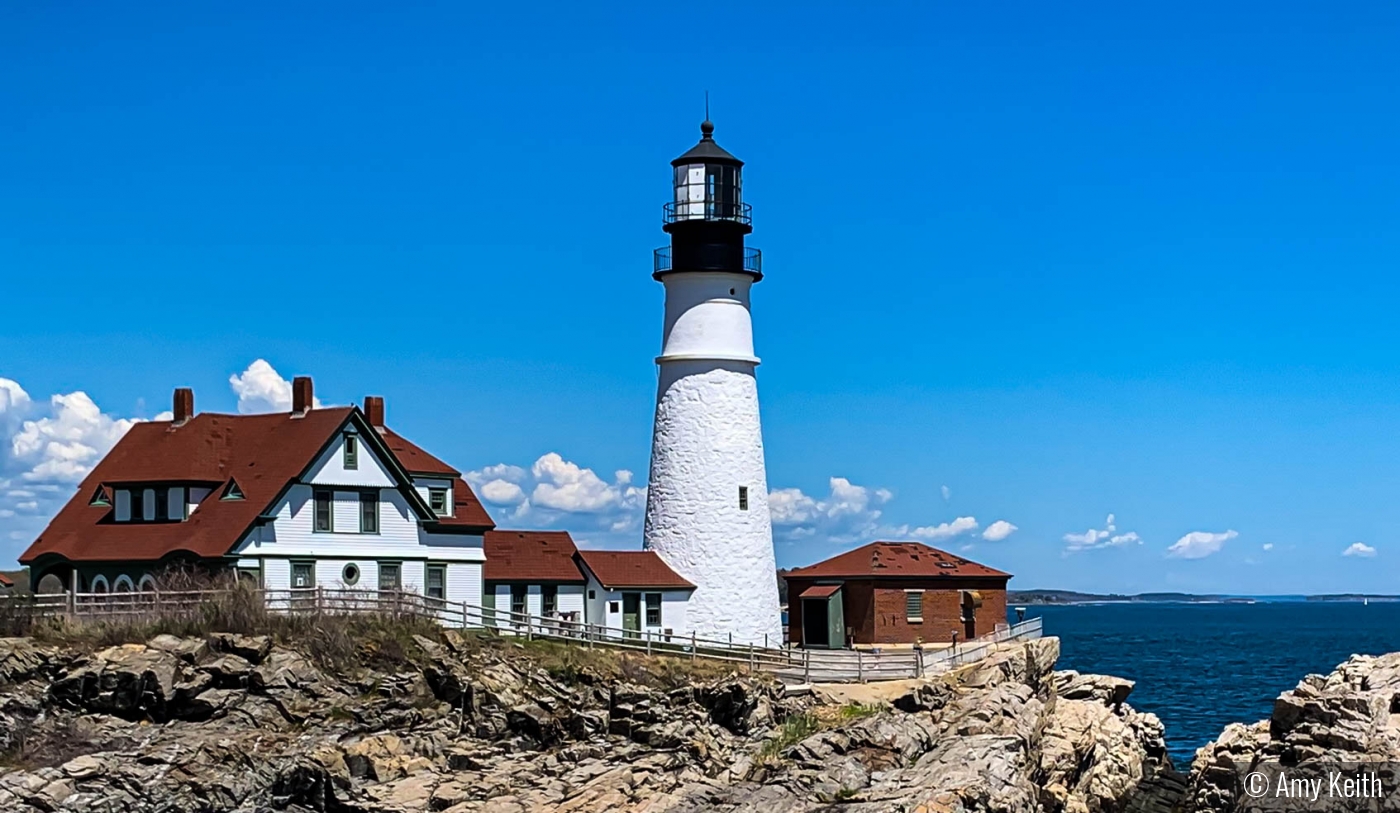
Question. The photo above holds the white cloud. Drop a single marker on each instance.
(946, 530)
(1199, 544)
(46, 449)
(947, 493)
(1105, 537)
(260, 388)
(566, 486)
(1360, 549)
(502, 492)
(1267, 546)
(999, 530)
(847, 513)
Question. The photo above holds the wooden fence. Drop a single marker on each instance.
(791, 665)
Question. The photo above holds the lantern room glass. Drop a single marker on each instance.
(708, 192)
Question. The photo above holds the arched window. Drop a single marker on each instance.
(122, 584)
(99, 584)
(148, 583)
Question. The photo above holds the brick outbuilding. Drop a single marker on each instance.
(893, 593)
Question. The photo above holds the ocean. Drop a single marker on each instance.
(1201, 666)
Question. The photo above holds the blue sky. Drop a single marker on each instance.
(1064, 262)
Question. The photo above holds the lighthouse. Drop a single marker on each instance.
(707, 497)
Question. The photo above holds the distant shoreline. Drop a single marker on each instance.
(1042, 598)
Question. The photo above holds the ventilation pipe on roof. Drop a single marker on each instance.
(183, 405)
(302, 396)
(374, 411)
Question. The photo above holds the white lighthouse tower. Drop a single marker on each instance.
(707, 497)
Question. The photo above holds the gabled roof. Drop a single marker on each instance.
(531, 556)
(263, 454)
(895, 560)
(631, 569)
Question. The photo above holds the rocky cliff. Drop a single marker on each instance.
(236, 723)
(1346, 718)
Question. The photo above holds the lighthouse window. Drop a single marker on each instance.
(743, 498)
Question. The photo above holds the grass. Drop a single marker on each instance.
(794, 729)
(333, 641)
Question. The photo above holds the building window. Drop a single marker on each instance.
(179, 507)
(743, 498)
(123, 505)
(303, 575)
(232, 491)
(389, 573)
(369, 512)
(99, 497)
(517, 600)
(352, 452)
(162, 498)
(914, 606)
(437, 583)
(653, 609)
(148, 504)
(351, 574)
(549, 600)
(592, 595)
(122, 584)
(437, 500)
(324, 523)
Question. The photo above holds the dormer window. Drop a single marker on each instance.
(352, 452)
(154, 503)
(437, 500)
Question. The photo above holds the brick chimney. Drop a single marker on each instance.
(302, 396)
(374, 411)
(183, 405)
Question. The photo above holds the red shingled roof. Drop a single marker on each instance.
(895, 559)
(263, 453)
(820, 591)
(631, 568)
(411, 456)
(467, 510)
(531, 556)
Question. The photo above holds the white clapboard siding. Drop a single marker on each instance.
(329, 469)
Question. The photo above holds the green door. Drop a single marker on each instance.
(632, 613)
(836, 622)
(488, 607)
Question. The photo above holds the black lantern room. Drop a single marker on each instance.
(707, 217)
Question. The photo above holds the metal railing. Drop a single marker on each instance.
(752, 262)
(735, 212)
(789, 664)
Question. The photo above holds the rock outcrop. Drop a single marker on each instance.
(236, 723)
(1349, 716)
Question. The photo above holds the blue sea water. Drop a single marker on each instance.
(1201, 666)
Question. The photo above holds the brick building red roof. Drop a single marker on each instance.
(531, 556)
(632, 569)
(895, 560)
(262, 453)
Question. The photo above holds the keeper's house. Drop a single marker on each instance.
(893, 593)
(325, 497)
(543, 575)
